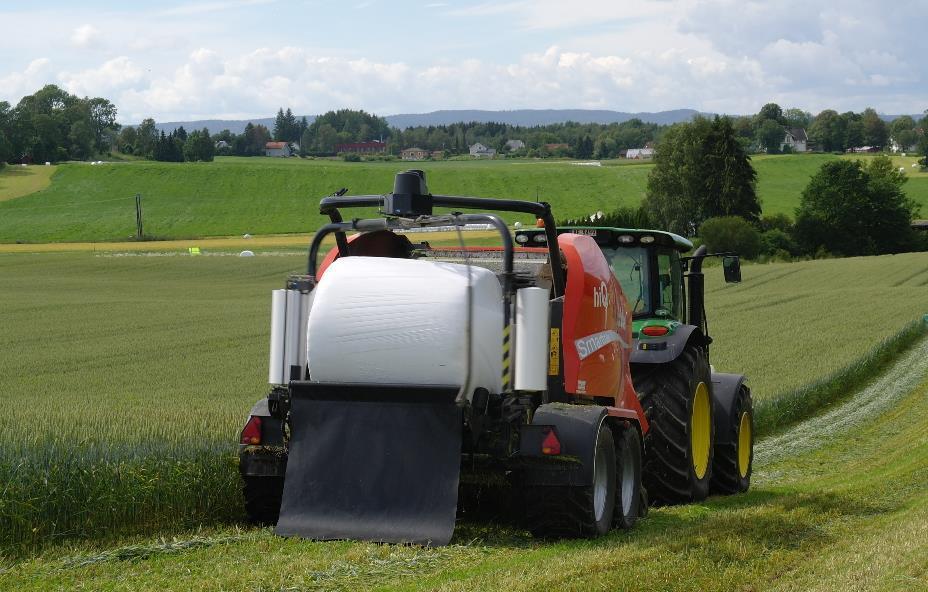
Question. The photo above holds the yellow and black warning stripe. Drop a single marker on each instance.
(506, 366)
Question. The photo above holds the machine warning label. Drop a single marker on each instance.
(554, 355)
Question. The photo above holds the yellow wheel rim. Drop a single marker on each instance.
(744, 444)
(701, 430)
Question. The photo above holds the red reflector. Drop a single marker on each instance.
(655, 331)
(551, 445)
(252, 432)
(539, 223)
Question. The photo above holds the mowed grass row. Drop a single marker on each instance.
(129, 376)
(265, 195)
(846, 512)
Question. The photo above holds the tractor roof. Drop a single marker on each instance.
(613, 237)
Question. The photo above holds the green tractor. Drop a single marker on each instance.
(701, 437)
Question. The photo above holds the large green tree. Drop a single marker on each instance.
(827, 131)
(851, 209)
(903, 134)
(770, 136)
(701, 171)
(875, 130)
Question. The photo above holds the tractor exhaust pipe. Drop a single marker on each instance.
(696, 290)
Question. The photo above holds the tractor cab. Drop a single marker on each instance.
(650, 265)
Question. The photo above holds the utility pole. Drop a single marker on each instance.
(138, 217)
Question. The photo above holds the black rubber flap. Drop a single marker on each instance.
(384, 471)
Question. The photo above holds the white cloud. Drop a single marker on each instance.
(112, 76)
(193, 8)
(16, 85)
(86, 36)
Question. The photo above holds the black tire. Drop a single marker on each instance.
(628, 489)
(667, 393)
(730, 474)
(262, 499)
(573, 512)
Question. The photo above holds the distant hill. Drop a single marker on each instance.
(523, 117)
(532, 117)
(236, 126)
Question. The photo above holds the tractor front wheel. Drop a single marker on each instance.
(734, 449)
(678, 403)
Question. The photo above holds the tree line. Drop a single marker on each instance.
(53, 125)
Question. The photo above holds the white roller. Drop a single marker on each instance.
(380, 321)
(531, 340)
(278, 329)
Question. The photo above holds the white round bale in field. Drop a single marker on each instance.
(246, 253)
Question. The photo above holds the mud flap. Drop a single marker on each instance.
(375, 463)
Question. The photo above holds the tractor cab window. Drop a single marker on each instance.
(630, 266)
(670, 282)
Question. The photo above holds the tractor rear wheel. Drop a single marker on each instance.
(734, 449)
(262, 498)
(628, 474)
(579, 511)
(677, 400)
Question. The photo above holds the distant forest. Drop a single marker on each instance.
(54, 125)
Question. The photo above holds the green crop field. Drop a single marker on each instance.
(129, 375)
(264, 195)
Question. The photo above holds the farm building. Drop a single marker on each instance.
(414, 154)
(277, 149)
(373, 147)
(640, 153)
(478, 150)
(513, 145)
(795, 138)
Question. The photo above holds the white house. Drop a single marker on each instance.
(478, 150)
(795, 138)
(513, 145)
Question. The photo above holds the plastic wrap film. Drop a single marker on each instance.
(531, 341)
(378, 320)
(278, 329)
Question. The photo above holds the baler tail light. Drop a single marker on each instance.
(551, 445)
(251, 434)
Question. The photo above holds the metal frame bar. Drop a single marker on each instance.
(542, 210)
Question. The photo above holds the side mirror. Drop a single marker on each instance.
(731, 264)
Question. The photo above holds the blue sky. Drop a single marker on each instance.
(245, 58)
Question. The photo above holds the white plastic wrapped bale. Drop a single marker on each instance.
(378, 320)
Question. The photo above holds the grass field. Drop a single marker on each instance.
(17, 181)
(838, 503)
(233, 196)
(130, 374)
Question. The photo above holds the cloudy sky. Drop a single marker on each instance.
(245, 58)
